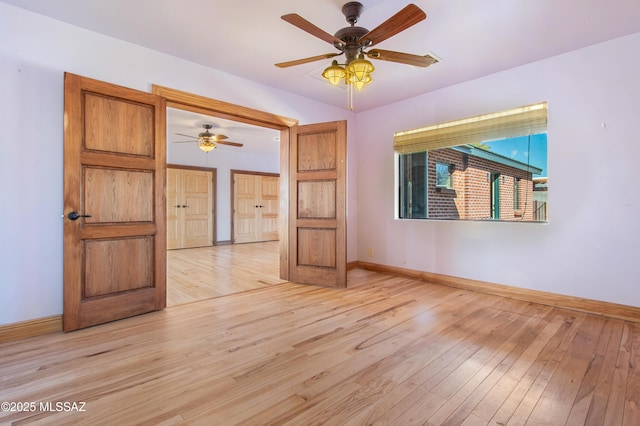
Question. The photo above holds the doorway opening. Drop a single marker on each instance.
(223, 267)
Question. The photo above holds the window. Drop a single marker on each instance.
(443, 175)
(450, 170)
(413, 171)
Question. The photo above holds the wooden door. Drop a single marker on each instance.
(317, 204)
(114, 178)
(256, 207)
(269, 208)
(189, 208)
(175, 220)
(198, 208)
(245, 208)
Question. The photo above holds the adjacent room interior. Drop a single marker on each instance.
(222, 234)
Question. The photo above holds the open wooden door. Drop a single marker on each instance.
(114, 202)
(317, 204)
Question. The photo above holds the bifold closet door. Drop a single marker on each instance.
(256, 206)
(189, 208)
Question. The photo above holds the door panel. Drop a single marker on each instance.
(317, 208)
(270, 206)
(106, 273)
(198, 211)
(116, 195)
(316, 247)
(114, 159)
(112, 125)
(174, 222)
(317, 199)
(245, 210)
(189, 208)
(256, 199)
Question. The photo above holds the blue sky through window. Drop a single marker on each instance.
(530, 150)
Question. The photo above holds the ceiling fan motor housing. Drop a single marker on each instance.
(352, 11)
(351, 35)
(351, 38)
(206, 132)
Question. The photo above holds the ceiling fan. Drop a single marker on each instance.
(208, 141)
(356, 42)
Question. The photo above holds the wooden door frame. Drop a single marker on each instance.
(233, 173)
(214, 180)
(202, 105)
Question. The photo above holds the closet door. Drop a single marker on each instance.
(189, 208)
(256, 206)
(245, 208)
(197, 208)
(269, 207)
(174, 219)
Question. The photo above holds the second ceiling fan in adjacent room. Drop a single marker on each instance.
(208, 141)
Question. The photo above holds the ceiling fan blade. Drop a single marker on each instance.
(189, 136)
(230, 143)
(306, 60)
(185, 141)
(403, 58)
(219, 138)
(410, 15)
(304, 25)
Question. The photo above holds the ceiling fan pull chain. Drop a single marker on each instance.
(350, 95)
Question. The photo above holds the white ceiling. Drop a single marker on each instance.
(247, 37)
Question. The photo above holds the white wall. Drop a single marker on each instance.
(591, 246)
(34, 53)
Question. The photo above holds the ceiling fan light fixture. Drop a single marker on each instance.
(207, 141)
(360, 69)
(207, 145)
(358, 84)
(335, 73)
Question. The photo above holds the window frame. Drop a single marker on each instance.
(449, 167)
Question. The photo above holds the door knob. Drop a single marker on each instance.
(76, 215)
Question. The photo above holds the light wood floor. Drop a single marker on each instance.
(202, 273)
(387, 350)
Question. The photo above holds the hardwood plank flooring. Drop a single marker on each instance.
(202, 273)
(385, 351)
